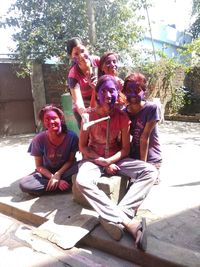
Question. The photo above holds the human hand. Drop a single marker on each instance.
(63, 185)
(92, 80)
(102, 161)
(52, 184)
(85, 117)
(112, 169)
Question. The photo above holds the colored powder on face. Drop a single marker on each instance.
(133, 91)
(108, 84)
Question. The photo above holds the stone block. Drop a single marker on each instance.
(114, 187)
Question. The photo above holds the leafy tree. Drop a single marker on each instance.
(43, 26)
(195, 28)
(193, 50)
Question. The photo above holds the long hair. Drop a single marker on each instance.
(71, 43)
(58, 111)
(102, 61)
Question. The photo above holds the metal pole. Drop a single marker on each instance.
(107, 138)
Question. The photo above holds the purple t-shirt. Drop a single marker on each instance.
(53, 156)
(149, 112)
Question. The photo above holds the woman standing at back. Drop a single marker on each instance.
(108, 65)
(81, 78)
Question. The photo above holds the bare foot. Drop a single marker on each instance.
(133, 228)
(138, 231)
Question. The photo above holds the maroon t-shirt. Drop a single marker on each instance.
(76, 76)
(97, 133)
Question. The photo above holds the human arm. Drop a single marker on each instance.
(78, 101)
(53, 183)
(144, 139)
(62, 184)
(40, 168)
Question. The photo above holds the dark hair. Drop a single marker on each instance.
(138, 79)
(59, 112)
(102, 61)
(71, 43)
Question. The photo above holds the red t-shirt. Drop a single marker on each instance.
(76, 76)
(97, 132)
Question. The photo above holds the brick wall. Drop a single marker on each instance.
(55, 84)
(192, 81)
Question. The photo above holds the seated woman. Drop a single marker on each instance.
(108, 64)
(81, 78)
(144, 116)
(103, 152)
(54, 152)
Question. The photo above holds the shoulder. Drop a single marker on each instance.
(71, 134)
(121, 114)
(151, 105)
(39, 137)
(73, 71)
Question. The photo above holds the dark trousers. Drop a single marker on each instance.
(35, 183)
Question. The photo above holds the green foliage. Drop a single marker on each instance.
(195, 27)
(44, 26)
(193, 50)
(117, 25)
(180, 98)
(162, 83)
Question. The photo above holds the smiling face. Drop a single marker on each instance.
(52, 121)
(80, 55)
(110, 65)
(108, 96)
(133, 93)
(107, 93)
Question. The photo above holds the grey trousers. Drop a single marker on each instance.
(141, 176)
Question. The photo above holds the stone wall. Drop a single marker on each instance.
(54, 82)
(192, 82)
(55, 85)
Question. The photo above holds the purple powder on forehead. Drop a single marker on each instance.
(108, 84)
(133, 86)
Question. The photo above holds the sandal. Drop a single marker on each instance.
(142, 242)
(113, 229)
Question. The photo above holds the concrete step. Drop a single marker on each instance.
(158, 253)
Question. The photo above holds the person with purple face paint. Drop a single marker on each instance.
(144, 116)
(54, 152)
(99, 159)
(81, 78)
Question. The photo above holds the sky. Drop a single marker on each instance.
(163, 11)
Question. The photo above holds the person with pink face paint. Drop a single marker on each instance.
(105, 146)
(108, 64)
(54, 152)
(144, 116)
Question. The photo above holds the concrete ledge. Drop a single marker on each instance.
(186, 118)
(158, 253)
(22, 215)
(114, 187)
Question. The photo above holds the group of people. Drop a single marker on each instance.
(121, 138)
